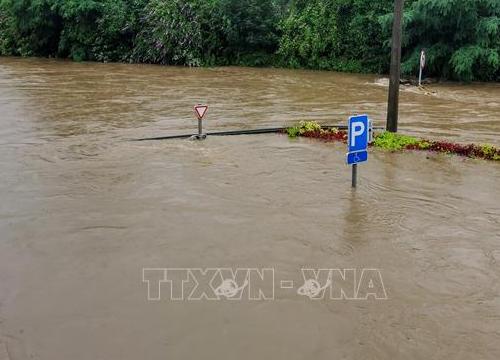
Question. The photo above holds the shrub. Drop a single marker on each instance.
(393, 141)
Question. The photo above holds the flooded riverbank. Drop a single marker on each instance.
(83, 211)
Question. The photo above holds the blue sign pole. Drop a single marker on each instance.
(357, 143)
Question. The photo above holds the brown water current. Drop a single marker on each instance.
(83, 211)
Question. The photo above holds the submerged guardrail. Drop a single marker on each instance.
(240, 132)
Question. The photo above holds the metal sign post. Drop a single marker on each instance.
(359, 130)
(422, 65)
(354, 179)
(200, 111)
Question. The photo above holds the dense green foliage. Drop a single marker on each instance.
(462, 37)
(207, 32)
(344, 35)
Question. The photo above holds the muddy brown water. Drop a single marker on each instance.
(83, 211)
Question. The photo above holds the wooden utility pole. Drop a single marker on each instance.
(393, 103)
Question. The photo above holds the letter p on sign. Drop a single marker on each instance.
(358, 129)
(358, 133)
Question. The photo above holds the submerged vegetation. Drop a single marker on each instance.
(314, 130)
(397, 142)
(462, 37)
(392, 141)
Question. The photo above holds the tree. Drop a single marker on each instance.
(310, 35)
(462, 38)
(171, 33)
(344, 35)
(33, 27)
(250, 30)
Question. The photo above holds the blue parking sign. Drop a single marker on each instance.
(357, 139)
(358, 133)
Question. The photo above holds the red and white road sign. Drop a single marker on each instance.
(200, 111)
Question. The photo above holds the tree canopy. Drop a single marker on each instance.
(462, 38)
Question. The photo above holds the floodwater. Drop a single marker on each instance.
(83, 211)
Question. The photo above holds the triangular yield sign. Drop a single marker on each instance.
(201, 110)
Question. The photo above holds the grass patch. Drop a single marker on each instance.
(393, 141)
